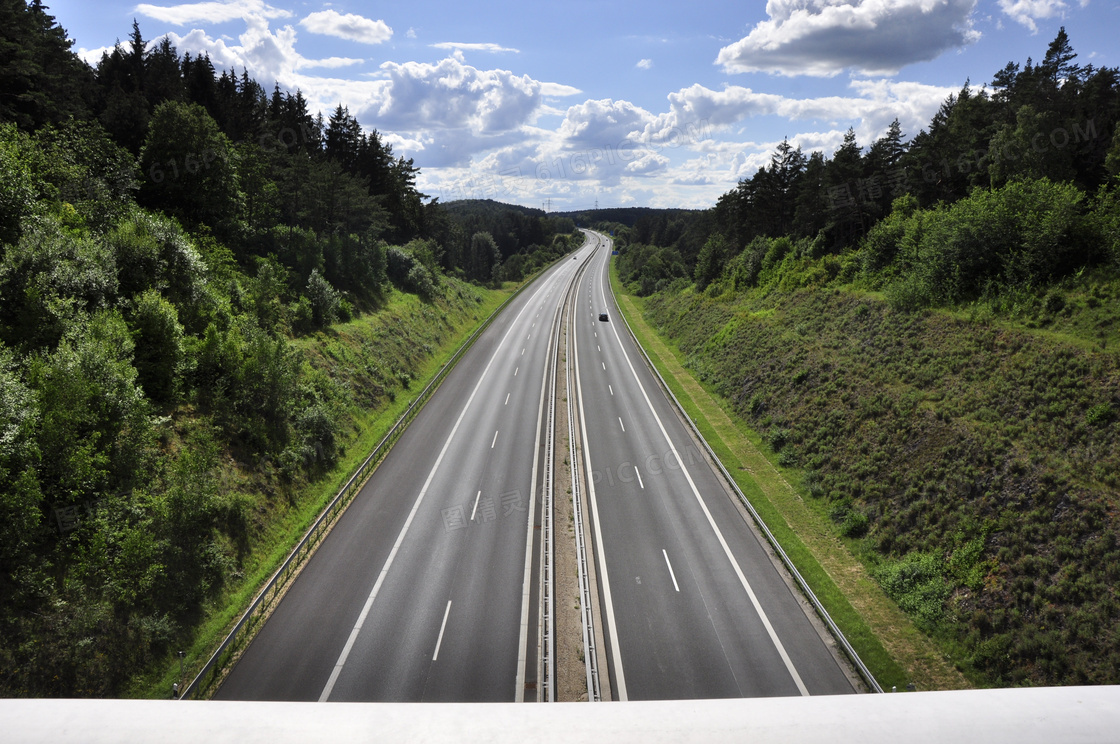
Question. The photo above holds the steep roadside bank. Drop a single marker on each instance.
(363, 373)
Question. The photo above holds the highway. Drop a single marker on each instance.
(693, 605)
(424, 590)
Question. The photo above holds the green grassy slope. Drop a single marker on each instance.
(371, 368)
(971, 465)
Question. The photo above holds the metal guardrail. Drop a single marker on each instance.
(864, 672)
(590, 650)
(306, 546)
(547, 672)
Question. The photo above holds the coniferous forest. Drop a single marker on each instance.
(170, 238)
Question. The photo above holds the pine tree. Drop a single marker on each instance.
(41, 79)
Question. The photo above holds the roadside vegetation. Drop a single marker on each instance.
(210, 303)
(923, 336)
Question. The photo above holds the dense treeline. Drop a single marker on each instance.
(1039, 140)
(488, 239)
(167, 233)
(970, 460)
(657, 249)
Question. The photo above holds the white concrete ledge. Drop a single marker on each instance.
(1044, 715)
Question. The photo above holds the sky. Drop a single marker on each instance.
(572, 105)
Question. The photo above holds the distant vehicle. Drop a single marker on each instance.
(604, 317)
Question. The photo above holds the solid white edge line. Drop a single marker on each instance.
(608, 602)
(715, 528)
(672, 575)
(442, 627)
(325, 695)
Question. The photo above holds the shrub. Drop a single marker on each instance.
(324, 300)
(17, 189)
(159, 345)
(1099, 415)
(778, 439)
(915, 582)
(855, 524)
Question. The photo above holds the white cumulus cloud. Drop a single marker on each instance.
(267, 55)
(211, 12)
(606, 122)
(823, 37)
(450, 94)
(696, 111)
(463, 46)
(347, 26)
(92, 56)
(1027, 12)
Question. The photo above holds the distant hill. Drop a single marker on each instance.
(628, 216)
(465, 207)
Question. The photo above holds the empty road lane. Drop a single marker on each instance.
(422, 590)
(693, 605)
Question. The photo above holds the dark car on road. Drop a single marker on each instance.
(604, 317)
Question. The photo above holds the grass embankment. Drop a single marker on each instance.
(895, 651)
(968, 466)
(373, 366)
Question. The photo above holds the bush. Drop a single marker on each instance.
(153, 253)
(1099, 415)
(324, 300)
(778, 439)
(17, 190)
(915, 582)
(743, 270)
(1028, 232)
(158, 340)
(855, 524)
(649, 268)
(881, 245)
(48, 279)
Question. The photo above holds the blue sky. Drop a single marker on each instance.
(621, 104)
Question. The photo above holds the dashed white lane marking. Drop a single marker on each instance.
(442, 627)
(672, 575)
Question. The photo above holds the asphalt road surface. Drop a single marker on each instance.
(425, 589)
(693, 605)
